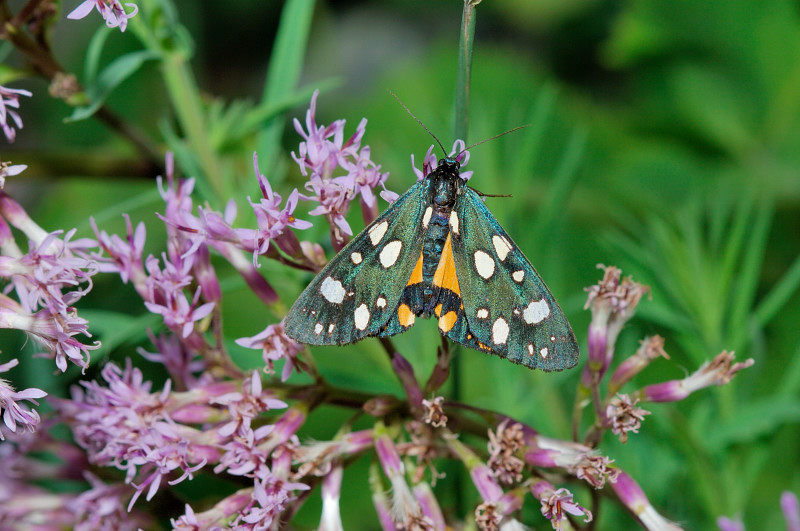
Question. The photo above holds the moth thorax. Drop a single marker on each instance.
(444, 191)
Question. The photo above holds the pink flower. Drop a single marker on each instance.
(9, 99)
(634, 498)
(429, 162)
(271, 497)
(324, 152)
(272, 220)
(48, 280)
(575, 458)
(650, 349)
(612, 301)
(718, 371)
(111, 10)
(245, 406)
(14, 413)
(165, 295)
(557, 502)
(9, 170)
(122, 256)
(275, 345)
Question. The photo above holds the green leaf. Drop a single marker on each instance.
(285, 65)
(758, 419)
(111, 77)
(91, 64)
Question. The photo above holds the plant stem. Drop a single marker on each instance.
(464, 68)
(283, 74)
(185, 98)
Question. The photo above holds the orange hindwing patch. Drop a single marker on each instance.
(445, 275)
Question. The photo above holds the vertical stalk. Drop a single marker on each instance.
(283, 73)
(466, 39)
(185, 97)
(464, 68)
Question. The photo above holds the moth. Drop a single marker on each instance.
(437, 252)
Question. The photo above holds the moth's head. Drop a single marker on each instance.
(449, 165)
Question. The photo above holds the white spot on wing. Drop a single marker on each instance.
(332, 290)
(377, 232)
(518, 276)
(331, 327)
(544, 352)
(361, 317)
(318, 328)
(390, 252)
(356, 257)
(454, 221)
(427, 217)
(499, 331)
(380, 302)
(482, 313)
(484, 264)
(536, 312)
(530, 349)
(501, 245)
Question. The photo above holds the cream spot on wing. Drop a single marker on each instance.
(484, 264)
(380, 302)
(356, 257)
(377, 232)
(454, 221)
(390, 252)
(530, 349)
(553, 339)
(501, 245)
(332, 290)
(482, 313)
(361, 317)
(518, 276)
(427, 217)
(331, 327)
(499, 331)
(544, 352)
(318, 328)
(536, 312)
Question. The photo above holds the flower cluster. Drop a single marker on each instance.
(47, 280)
(338, 171)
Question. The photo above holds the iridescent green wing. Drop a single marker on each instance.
(357, 293)
(508, 309)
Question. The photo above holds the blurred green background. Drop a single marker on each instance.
(664, 140)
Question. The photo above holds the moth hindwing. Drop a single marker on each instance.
(437, 251)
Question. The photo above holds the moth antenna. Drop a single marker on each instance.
(492, 138)
(491, 195)
(422, 124)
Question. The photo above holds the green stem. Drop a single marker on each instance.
(184, 95)
(464, 68)
(283, 74)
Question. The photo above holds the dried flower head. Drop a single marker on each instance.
(434, 412)
(624, 416)
(504, 445)
(487, 517)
